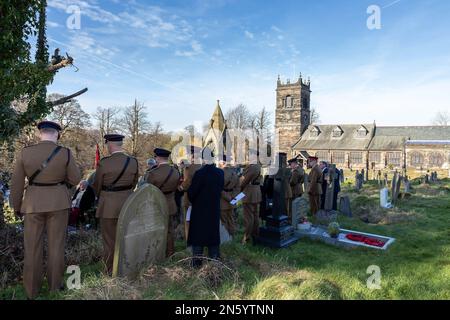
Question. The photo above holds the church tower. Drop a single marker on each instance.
(292, 114)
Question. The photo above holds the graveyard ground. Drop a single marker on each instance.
(416, 266)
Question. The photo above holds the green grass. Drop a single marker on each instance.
(416, 266)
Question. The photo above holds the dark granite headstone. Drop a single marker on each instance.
(344, 206)
(278, 232)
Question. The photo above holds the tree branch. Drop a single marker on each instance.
(63, 63)
(67, 98)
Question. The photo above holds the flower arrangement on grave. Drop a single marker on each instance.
(333, 229)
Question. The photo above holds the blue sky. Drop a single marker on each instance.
(179, 57)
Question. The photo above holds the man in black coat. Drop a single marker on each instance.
(323, 165)
(204, 194)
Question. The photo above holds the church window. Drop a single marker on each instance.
(288, 102)
(323, 156)
(314, 132)
(339, 157)
(416, 159)
(337, 132)
(436, 159)
(375, 156)
(394, 158)
(362, 132)
(356, 157)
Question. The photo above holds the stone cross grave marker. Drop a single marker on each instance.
(141, 231)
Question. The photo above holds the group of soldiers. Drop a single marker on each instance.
(51, 170)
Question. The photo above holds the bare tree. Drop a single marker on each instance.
(262, 120)
(136, 124)
(315, 117)
(239, 118)
(107, 121)
(69, 115)
(442, 118)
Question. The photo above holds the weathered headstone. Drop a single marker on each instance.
(344, 206)
(359, 179)
(224, 235)
(394, 186)
(300, 207)
(324, 217)
(141, 231)
(341, 175)
(363, 176)
(397, 188)
(407, 185)
(330, 177)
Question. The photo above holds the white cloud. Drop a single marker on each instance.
(274, 28)
(93, 11)
(52, 24)
(196, 49)
(249, 35)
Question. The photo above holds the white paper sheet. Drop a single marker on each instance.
(236, 199)
(188, 213)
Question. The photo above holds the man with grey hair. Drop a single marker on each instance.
(82, 200)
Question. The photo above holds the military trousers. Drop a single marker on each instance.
(108, 228)
(251, 221)
(170, 247)
(314, 203)
(186, 223)
(226, 216)
(55, 225)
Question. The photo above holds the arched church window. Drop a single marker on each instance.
(416, 159)
(288, 102)
(436, 159)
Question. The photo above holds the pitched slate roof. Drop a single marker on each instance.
(349, 140)
(392, 138)
(377, 138)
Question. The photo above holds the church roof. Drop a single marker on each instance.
(217, 119)
(321, 137)
(393, 138)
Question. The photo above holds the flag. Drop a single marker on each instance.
(97, 157)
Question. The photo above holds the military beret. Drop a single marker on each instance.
(160, 152)
(293, 160)
(113, 137)
(49, 124)
(312, 158)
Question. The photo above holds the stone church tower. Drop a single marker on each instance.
(292, 114)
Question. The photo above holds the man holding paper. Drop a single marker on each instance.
(250, 186)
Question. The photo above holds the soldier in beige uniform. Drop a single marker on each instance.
(295, 182)
(115, 179)
(250, 185)
(166, 178)
(231, 183)
(188, 174)
(50, 169)
(315, 185)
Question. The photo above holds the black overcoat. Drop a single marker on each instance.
(204, 193)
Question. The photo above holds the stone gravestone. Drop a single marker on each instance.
(330, 177)
(363, 175)
(397, 188)
(300, 207)
(277, 231)
(359, 179)
(344, 206)
(224, 235)
(141, 231)
(393, 186)
(341, 176)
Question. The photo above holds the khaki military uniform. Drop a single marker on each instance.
(296, 186)
(110, 202)
(188, 174)
(231, 183)
(250, 185)
(314, 188)
(46, 204)
(167, 178)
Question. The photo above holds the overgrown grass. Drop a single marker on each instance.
(416, 266)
